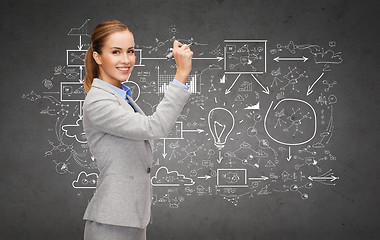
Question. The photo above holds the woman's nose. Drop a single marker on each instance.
(125, 58)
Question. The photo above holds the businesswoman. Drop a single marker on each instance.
(120, 136)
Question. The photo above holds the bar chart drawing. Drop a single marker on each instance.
(193, 82)
(245, 87)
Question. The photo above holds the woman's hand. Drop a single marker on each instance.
(182, 55)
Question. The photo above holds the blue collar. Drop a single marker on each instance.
(123, 91)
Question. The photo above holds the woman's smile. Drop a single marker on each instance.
(123, 70)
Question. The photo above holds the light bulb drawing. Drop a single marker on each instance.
(221, 122)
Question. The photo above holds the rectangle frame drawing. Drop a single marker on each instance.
(138, 60)
(66, 90)
(81, 57)
(180, 124)
(248, 60)
(238, 171)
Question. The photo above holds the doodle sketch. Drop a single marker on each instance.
(259, 120)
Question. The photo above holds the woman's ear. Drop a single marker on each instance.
(97, 58)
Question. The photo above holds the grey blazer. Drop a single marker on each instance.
(121, 140)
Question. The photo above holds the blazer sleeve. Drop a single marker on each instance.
(108, 116)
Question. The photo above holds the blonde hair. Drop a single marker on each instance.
(98, 36)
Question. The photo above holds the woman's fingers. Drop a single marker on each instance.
(185, 46)
(176, 44)
(180, 49)
(182, 56)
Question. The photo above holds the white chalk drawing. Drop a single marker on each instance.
(247, 131)
(221, 122)
(85, 180)
(75, 131)
(231, 178)
(294, 122)
(166, 178)
(327, 178)
(245, 56)
(135, 88)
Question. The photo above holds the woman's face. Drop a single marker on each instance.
(117, 59)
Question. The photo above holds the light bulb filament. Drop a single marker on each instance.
(218, 136)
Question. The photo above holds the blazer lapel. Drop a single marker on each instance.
(99, 84)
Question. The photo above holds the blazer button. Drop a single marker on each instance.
(148, 170)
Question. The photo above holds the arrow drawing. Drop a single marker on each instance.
(153, 58)
(266, 90)
(216, 58)
(206, 177)
(309, 91)
(331, 178)
(325, 178)
(262, 178)
(303, 58)
(81, 74)
(229, 90)
(80, 43)
(160, 58)
(219, 160)
(164, 154)
(290, 156)
(193, 130)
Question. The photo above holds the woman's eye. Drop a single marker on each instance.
(114, 52)
(131, 51)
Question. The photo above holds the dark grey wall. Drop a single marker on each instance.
(39, 161)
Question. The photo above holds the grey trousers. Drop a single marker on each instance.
(99, 231)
